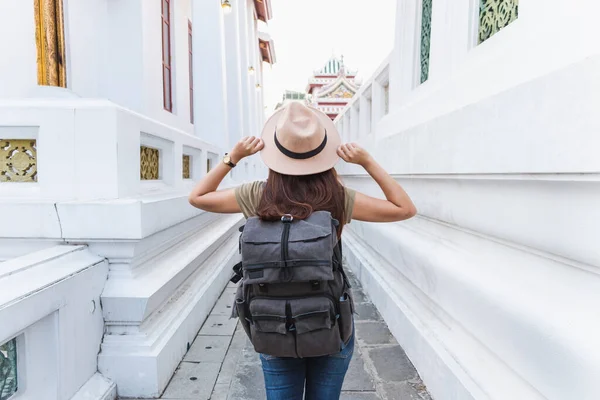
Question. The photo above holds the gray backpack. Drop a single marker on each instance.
(294, 298)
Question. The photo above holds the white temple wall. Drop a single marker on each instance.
(87, 27)
(56, 317)
(161, 263)
(152, 37)
(491, 288)
(18, 59)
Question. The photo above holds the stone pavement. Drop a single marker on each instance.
(222, 365)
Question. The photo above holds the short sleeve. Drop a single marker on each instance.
(349, 203)
(248, 196)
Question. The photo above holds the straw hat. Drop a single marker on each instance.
(300, 140)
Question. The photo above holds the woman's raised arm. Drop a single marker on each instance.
(206, 196)
(397, 206)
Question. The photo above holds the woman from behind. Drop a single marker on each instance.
(301, 145)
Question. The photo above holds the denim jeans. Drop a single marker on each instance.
(286, 378)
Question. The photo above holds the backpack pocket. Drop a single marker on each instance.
(283, 272)
(239, 309)
(346, 317)
(269, 330)
(298, 251)
(314, 321)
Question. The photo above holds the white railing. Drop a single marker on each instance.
(359, 118)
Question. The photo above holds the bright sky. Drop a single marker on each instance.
(307, 32)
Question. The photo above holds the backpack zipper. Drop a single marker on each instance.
(285, 236)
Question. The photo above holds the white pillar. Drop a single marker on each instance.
(234, 73)
(252, 80)
(210, 87)
(377, 104)
(365, 116)
(245, 62)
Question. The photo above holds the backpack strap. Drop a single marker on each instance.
(338, 260)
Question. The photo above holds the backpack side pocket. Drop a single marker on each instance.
(240, 309)
(346, 316)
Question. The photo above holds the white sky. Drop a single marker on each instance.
(307, 32)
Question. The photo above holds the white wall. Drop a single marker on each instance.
(125, 83)
(50, 301)
(18, 67)
(491, 288)
(152, 64)
(87, 27)
(89, 191)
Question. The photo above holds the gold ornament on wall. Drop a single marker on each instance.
(18, 160)
(494, 15)
(50, 42)
(149, 163)
(186, 167)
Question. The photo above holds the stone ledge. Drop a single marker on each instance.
(97, 388)
(141, 363)
(130, 300)
(448, 358)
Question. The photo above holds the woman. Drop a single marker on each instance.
(301, 145)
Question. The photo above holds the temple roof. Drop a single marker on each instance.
(333, 67)
(341, 88)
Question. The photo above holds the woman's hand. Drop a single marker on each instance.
(354, 154)
(246, 147)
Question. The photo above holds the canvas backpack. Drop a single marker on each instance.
(294, 298)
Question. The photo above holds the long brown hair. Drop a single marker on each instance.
(301, 195)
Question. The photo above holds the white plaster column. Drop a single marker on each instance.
(377, 104)
(365, 115)
(347, 127)
(234, 73)
(210, 87)
(242, 10)
(252, 80)
(261, 96)
(355, 114)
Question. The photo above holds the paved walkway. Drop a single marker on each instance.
(222, 365)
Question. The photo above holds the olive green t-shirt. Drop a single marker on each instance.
(248, 196)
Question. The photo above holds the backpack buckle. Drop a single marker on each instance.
(287, 218)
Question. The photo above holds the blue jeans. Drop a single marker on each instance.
(285, 378)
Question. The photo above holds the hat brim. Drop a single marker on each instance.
(279, 162)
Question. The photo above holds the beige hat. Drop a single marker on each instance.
(300, 140)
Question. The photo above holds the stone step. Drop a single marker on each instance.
(409, 292)
(141, 359)
(131, 299)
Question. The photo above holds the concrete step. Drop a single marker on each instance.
(129, 300)
(473, 313)
(141, 358)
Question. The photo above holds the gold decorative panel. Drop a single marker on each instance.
(342, 92)
(149, 163)
(495, 15)
(186, 167)
(50, 42)
(18, 160)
